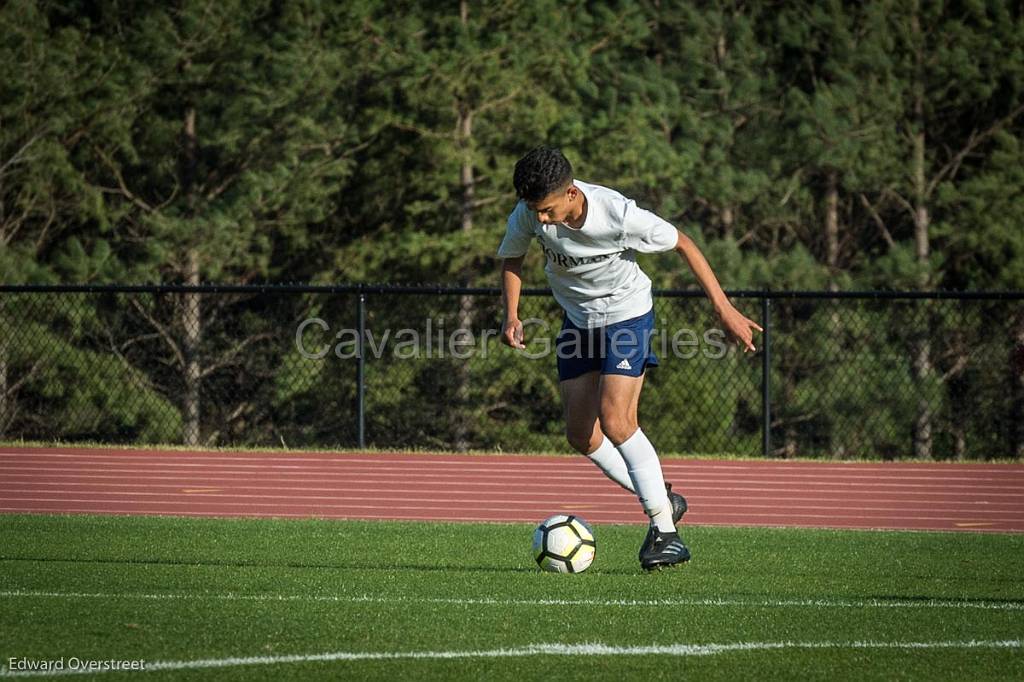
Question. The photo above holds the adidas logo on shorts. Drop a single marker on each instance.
(624, 364)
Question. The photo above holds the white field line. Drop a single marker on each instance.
(712, 602)
(544, 649)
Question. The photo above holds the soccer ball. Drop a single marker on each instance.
(564, 544)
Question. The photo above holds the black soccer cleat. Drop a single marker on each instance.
(678, 504)
(663, 550)
(678, 509)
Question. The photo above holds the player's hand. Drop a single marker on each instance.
(739, 327)
(512, 334)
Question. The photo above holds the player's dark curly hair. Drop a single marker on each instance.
(543, 171)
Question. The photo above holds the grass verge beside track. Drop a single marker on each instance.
(256, 599)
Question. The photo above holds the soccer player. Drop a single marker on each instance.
(590, 236)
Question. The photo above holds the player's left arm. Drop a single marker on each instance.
(736, 324)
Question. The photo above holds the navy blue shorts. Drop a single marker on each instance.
(620, 348)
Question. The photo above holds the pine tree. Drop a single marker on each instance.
(954, 63)
(206, 139)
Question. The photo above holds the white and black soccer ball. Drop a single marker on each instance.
(564, 544)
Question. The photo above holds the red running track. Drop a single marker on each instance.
(921, 496)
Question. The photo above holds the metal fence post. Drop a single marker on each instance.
(766, 377)
(361, 374)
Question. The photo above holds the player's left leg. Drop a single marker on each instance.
(628, 354)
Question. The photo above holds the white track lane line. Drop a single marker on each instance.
(469, 499)
(692, 491)
(469, 493)
(505, 468)
(498, 478)
(614, 495)
(568, 463)
(492, 476)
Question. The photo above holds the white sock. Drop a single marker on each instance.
(645, 471)
(608, 458)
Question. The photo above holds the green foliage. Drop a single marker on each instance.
(331, 139)
(370, 141)
(85, 393)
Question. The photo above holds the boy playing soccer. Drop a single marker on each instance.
(590, 236)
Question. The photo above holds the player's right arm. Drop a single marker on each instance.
(511, 285)
(518, 234)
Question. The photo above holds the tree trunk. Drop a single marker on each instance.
(4, 408)
(466, 179)
(467, 182)
(836, 446)
(192, 324)
(921, 345)
(789, 442)
(190, 312)
(959, 442)
(832, 229)
(727, 218)
(923, 419)
(462, 380)
(1017, 388)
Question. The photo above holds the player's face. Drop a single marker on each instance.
(555, 207)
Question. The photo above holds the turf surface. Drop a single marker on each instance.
(781, 603)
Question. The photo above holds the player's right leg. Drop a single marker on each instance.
(579, 362)
(581, 400)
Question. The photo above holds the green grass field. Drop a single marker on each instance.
(256, 599)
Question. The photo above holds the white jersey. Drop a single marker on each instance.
(593, 271)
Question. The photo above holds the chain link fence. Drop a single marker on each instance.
(884, 375)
